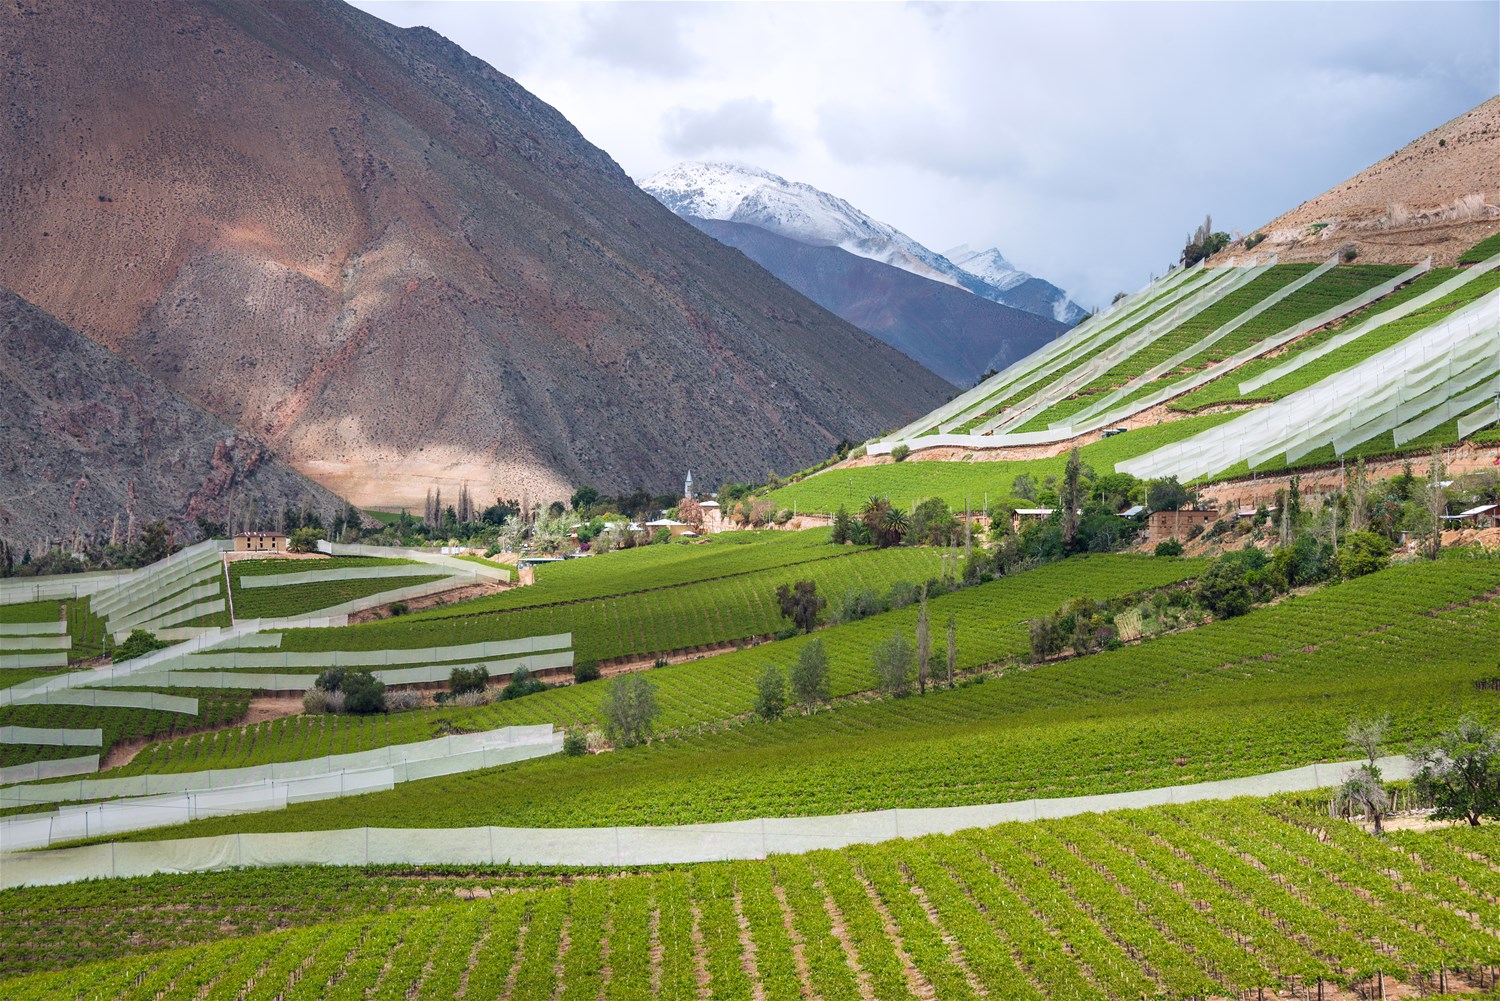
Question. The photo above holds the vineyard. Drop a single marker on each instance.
(215, 708)
(289, 600)
(1267, 691)
(1179, 902)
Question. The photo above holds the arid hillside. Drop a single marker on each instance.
(93, 446)
(1437, 195)
(395, 265)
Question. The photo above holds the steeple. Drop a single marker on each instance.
(687, 487)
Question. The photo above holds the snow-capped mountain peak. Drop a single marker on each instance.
(732, 192)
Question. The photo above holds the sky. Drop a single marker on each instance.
(1083, 140)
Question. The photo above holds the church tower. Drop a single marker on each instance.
(687, 487)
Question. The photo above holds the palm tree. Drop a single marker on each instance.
(894, 525)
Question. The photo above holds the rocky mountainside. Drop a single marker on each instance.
(956, 334)
(93, 445)
(730, 192)
(1437, 195)
(395, 265)
(1020, 289)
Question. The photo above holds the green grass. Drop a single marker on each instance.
(991, 628)
(960, 483)
(1273, 689)
(1205, 900)
(301, 599)
(30, 611)
(639, 624)
(1482, 251)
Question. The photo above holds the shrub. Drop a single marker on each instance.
(770, 694)
(1254, 240)
(903, 593)
(810, 675)
(1223, 588)
(468, 679)
(900, 452)
(783, 516)
(521, 685)
(363, 693)
(303, 540)
(1350, 255)
(403, 701)
(468, 700)
(139, 643)
(331, 680)
(1194, 532)
(575, 744)
(314, 701)
(856, 603)
(399, 608)
(334, 702)
(892, 664)
(801, 603)
(1362, 553)
(1169, 547)
(663, 535)
(586, 670)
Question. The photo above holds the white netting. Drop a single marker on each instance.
(73, 585)
(453, 563)
(110, 699)
(1481, 418)
(37, 771)
(31, 644)
(1447, 410)
(220, 659)
(176, 618)
(1303, 358)
(50, 658)
(161, 608)
(623, 846)
(143, 586)
(10, 630)
(249, 581)
(51, 736)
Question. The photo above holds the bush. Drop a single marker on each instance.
(1223, 588)
(892, 665)
(586, 670)
(770, 694)
(303, 540)
(138, 644)
(468, 679)
(399, 608)
(1350, 255)
(630, 709)
(663, 535)
(404, 701)
(1363, 553)
(314, 701)
(810, 675)
(1169, 547)
(521, 685)
(575, 744)
(331, 680)
(783, 516)
(1254, 240)
(334, 702)
(363, 693)
(900, 452)
(468, 700)
(857, 603)
(903, 593)
(1194, 532)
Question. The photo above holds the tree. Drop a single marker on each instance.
(1363, 792)
(770, 694)
(139, 643)
(1046, 640)
(304, 540)
(1072, 497)
(924, 643)
(630, 709)
(952, 648)
(842, 526)
(363, 693)
(1364, 553)
(1024, 487)
(583, 497)
(1203, 242)
(801, 603)
(690, 513)
(1359, 493)
(892, 665)
(1223, 588)
(468, 679)
(1460, 773)
(1367, 735)
(810, 675)
(893, 526)
(1166, 495)
(156, 543)
(1434, 504)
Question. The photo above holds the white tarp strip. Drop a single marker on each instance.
(1157, 371)
(392, 755)
(343, 573)
(1016, 369)
(257, 681)
(30, 644)
(58, 588)
(52, 736)
(1127, 346)
(10, 630)
(624, 846)
(256, 641)
(1481, 418)
(1374, 323)
(37, 771)
(1447, 410)
(488, 570)
(178, 617)
(217, 659)
(200, 560)
(53, 658)
(1322, 406)
(397, 594)
(1077, 347)
(124, 622)
(111, 699)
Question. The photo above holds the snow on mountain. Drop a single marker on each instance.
(730, 192)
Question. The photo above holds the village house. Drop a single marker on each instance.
(1164, 525)
(260, 542)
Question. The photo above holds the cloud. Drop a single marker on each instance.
(644, 38)
(741, 124)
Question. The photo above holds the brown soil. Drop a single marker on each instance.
(262, 709)
(1438, 196)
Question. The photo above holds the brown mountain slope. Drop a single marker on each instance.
(396, 265)
(1437, 195)
(89, 439)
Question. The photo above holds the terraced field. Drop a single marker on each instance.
(1271, 690)
(1174, 902)
(305, 598)
(215, 708)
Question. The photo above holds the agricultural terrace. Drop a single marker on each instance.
(970, 482)
(216, 708)
(1190, 901)
(304, 598)
(1273, 689)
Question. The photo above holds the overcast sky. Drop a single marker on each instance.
(1083, 140)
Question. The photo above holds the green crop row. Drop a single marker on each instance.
(1209, 900)
(302, 599)
(970, 483)
(991, 620)
(215, 708)
(281, 565)
(1481, 251)
(29, 611)
(1273, 689)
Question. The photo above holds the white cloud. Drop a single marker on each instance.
(1082, 139)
